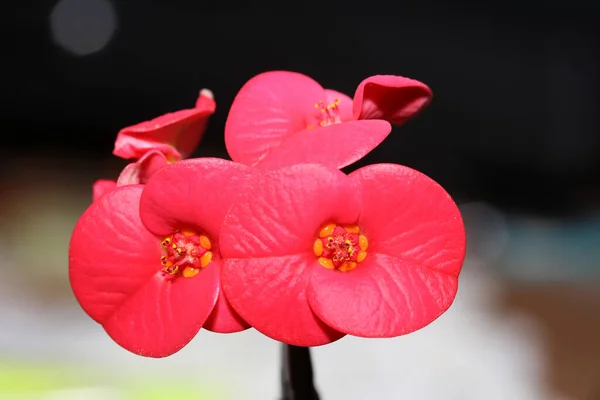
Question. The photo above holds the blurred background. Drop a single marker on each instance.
(512, 134)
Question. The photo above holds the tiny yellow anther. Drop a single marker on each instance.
(205, 259)
(352, 228)
(205, 242)
(178, 250)
(174, 246)
(327, 231)
(190, 272)
(326, 262)
(360, 257)
(363, 242)
(347, 266)
(165, 242)
(318, 247)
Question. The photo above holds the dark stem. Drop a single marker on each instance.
(297, 374)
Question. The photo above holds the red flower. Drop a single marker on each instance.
(147, 267)
(156, 143)
(176, 134)
(276, 112)
(312, 254)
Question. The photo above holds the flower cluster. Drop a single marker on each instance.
(279, 238)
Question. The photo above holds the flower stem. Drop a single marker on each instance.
(297, 374)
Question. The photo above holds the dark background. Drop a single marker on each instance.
(514, 119)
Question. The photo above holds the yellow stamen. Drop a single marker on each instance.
(327, 231)
(326, 262)
(205, 259)
(347, 266)
(360, 257)
(352, 228)
(188, 232)
(190, 272)
(205, 242)
(318, 247)
(363, 242)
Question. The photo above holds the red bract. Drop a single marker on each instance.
(146, 267)
(312, 254)
(290, 110)
(176, 134)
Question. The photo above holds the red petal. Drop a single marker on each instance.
(195, 193)
(382, 297)
(345, 106)
(392, 98)
(103, 186)
(176, 134)
(408, 216)
(224, 319)
(270, 293)
(267, 109)
(143, 169)
(115, 273)
(336, 145)
(282, 211)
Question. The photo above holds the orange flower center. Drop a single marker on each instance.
(327, 114)
(340, 247)
(185, 252)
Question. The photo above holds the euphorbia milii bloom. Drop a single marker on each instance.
(154, 144)
(312, 254)
(287, 109)
(147, 266)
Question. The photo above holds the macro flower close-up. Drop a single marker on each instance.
(147, 266)
(312, 254)
(278, 111)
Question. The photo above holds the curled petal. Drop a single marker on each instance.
(116, 275)
(382, 297)
(336, 145)
(281, 211)
(392, 98)
(268, 108)
(408, 216)
(270, 293)
(103, 186)
(141, 170)
(176, 134)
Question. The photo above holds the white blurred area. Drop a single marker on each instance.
(83, 27)
(473, 352)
